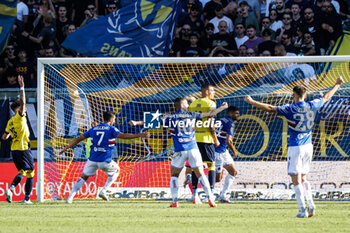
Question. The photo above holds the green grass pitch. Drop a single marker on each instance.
(155, 216)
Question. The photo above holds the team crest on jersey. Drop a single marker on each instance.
(151, 120)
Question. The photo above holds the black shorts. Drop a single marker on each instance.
(23, 160)
(207, 151)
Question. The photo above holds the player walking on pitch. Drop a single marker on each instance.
(186, 147)
(103, 139)
(17, 128)
(223, 159)
(300, 117)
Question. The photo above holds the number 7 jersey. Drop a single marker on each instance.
(103, 140)
(300, 118)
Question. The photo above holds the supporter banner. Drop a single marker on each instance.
(342, 45)
(8, 15)
(268, 181)
(144, 28)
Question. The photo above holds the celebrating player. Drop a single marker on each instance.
(206, 136)
(186, 147)
(103, 139)
(223, 159)
(300, 117)
(17, 128)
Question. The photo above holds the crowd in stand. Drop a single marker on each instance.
(204, 28)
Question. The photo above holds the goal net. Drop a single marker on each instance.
(75, 92)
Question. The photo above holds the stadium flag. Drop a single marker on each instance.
(342, 46)
(144, 28)
(8, 14)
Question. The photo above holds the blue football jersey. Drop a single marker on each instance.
(227, 127)
(181, 126)
(103, 139)
(300, 118)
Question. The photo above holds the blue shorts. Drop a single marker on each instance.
(23, 160)
(207, 151)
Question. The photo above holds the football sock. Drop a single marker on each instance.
(194, 183)
(228, 182)
(206, 186)
(76, 187)
(190, 186)
(28, 188)
(189, 177)
(299, 195)
(110, 181)
(211, 177)
(174, 187)
(16, 181)
(308, 194)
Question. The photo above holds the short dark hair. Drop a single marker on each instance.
(15, 105)
(289, 14)
(232, 109)
(209, 25)
(288, 34)
(266, 32)
(107, 115)
(178, 101)
(266, 17)
(299, 90)
(251, 26)
(240, 24)
(195, 7)
(194, 34)
(206, 86)
(218, 7)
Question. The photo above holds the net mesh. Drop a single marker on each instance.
(76, 95)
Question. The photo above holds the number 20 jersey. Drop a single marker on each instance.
(300, 118)
(103, 140)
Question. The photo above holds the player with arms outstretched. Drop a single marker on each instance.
(206, 136)
(300, 117)
(17, 128)
(186, 147)
(103, 140)
(223, 159)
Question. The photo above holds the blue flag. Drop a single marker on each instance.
(8, 14)
(144, 28)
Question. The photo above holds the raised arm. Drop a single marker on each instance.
(73, 143)
(334, 89)
(22, 98)
(5, 136)
(132, 136)
(215, 111)
(134, 123)
(262, 106)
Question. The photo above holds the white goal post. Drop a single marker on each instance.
(72, 92)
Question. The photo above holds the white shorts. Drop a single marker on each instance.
(91, 167)
(299, 159)
(222, 159)
(193, 157)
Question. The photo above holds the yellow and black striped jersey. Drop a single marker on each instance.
(203, 134)
(17, 127)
